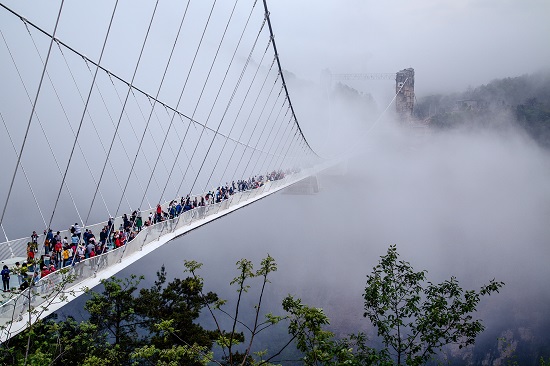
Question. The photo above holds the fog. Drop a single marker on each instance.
(472, 203)
(450, 44)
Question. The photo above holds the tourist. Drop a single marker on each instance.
(34, 237)
(6, 278)
(18, 270)
(45, 272)
(77, 230)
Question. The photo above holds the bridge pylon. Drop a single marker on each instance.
(404, 89)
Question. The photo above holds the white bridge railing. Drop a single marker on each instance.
(35, 298)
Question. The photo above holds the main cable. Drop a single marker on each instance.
(154, 104)
(84, 111)
(122, 112)
(179, 101)
(232, 94)
(119, 78)
(32, 113)
(282, 75)
(199, 100)
(40, 124)
(64, 113)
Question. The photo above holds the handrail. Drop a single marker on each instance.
(15, 308)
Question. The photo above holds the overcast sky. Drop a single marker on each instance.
(451, 44)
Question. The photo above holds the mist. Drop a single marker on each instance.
(472, 203)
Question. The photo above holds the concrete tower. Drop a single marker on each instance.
(404, 88)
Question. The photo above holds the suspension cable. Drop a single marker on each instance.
(64, 111)
(153, 104)
(200, 98)
(84, 113)
(24, 173)
(99, 135)
(41, 127)
(242, 104)
(232, 94)
(241, 76)
(270, 131)
(32, 112)
(259, 117)
(179, 139)
(119, 78)
(122, 112)
(282, 75)
(279, 140)
(276, 134)
(93, 124)
(253, 104)
(263, 128)
(350, 148)
(125, 113)
(179, 101)
(139, 146)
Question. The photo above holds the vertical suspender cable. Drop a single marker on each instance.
(64, 112)
(243, 102)
(153, 104)
(24, 173)
(262, 133)
(84, 112)
(268, 136)
(281, 71)
(232, 94)
(31, 115)
(198, 102)
(39, 123)
(275, 137)
(259, 117)
(122, 112)
(178, 103)
(231, 100)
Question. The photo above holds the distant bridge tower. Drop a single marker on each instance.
(404, 88)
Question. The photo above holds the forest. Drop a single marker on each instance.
(525, 100)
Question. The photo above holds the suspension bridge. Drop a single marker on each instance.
(116, 109)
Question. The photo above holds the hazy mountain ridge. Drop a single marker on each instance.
(525, 99)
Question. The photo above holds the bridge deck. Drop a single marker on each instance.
(52, 292)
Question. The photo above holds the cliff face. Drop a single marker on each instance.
(524, 99)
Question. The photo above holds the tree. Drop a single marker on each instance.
(30, 305)
(169, 311)
(415, 321)
(229, 340)
(113, 312)
(56, 342)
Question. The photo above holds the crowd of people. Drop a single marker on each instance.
(61, 252)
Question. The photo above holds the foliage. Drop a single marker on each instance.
(235, 351)
(158, 325)
(415, 321)
(113, 312)
(169, 312)
(56, 343)
(525, 99)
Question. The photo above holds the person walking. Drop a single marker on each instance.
(6, 278)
